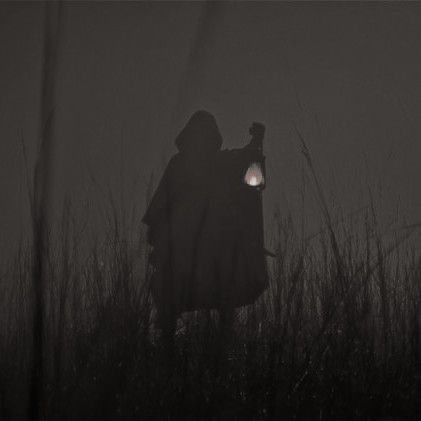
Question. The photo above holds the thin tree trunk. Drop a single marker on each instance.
(41, 204)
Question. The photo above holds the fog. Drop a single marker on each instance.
(347, 76)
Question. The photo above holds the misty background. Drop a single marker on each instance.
(347, 75)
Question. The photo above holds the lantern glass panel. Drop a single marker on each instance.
(254, 175)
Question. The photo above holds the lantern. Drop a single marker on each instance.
(254, 175)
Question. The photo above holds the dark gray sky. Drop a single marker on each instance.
(132, 73)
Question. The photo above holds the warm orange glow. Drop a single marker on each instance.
(254, 176)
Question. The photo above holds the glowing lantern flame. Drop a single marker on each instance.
(254, 176)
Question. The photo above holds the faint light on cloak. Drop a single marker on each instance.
(254, 175)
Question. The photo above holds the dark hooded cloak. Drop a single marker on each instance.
(205, 224)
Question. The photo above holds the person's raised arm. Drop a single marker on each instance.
(257, 132)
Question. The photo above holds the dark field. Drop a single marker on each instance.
(337, 335)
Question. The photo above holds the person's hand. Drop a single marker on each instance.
(257, 131)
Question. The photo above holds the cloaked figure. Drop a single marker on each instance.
(205, 224)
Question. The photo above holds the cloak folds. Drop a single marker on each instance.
(206, 229)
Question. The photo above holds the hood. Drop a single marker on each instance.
(200, 134)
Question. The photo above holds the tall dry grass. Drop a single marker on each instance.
(336, 336)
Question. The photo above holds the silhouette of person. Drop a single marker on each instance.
(205, 225)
